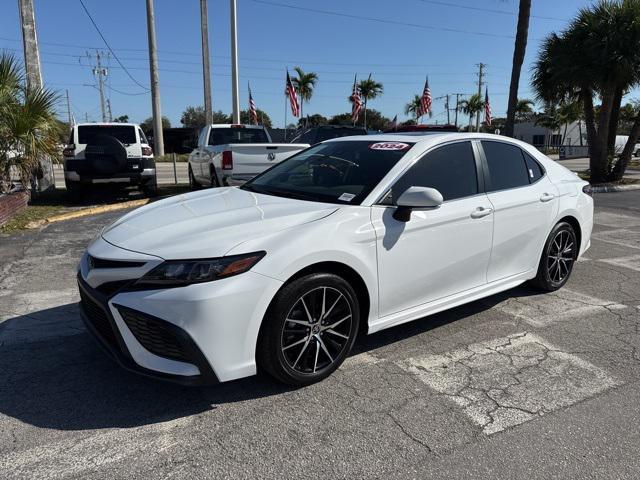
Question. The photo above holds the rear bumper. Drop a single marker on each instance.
(139, 171)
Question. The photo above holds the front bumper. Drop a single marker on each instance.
(212, 328)
(99, 320)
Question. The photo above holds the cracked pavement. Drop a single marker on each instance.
(517, 385)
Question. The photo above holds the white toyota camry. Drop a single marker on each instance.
(354, 234)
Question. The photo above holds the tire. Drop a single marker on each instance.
(193, 184)
(150, 189)
(75, 191)
(106, 155)
(214, 178)
(558, 256)
(297, 345)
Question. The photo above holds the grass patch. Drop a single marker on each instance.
(30, 214)
(182, 157)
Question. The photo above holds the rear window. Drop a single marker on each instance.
(125, 133)
(222, 136)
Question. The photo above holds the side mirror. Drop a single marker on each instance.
(416, 198)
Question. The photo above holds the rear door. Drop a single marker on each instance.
(250, 160)
(525, 203)
(126, 134)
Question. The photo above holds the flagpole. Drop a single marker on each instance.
(285, 114)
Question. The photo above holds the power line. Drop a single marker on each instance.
(381, 20)
(109, 46)
(488, 10)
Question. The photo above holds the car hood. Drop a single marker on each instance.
(209, 223)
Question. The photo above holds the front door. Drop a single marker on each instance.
(438, 252)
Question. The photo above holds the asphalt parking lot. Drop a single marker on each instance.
(519, 385)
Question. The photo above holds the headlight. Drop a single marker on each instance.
(177, 273)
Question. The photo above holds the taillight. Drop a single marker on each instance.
(147, 151)
(227, 160)
(587, 189)
(236, 125)
(69, 150)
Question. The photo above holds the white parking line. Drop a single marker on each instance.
(622, 237)
(507, 381)
(545, 309)
(632, 262)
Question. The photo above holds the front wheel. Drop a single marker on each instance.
(193, 184)
(309, 329)
(558, 256)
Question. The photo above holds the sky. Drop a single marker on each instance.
(397, 42)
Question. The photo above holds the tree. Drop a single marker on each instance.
(29, 130)
(122, 119)
(304, 84)
(147, 125)
(263, 118)
(606, 35)
(369, 89)
(376, 120)
(472, 106)
(194, 117)
(314, 120)
(523, 110)
(413, 107)
(519, 51)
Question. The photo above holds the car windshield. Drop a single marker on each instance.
(223, 136)
(334, 172)
(124, 133)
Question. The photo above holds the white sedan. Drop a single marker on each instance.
(354, 234)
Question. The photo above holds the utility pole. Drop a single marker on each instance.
(69, 110)
(109, 110)
(99, 72)
(457, 108)
(448, 111)
(158, 138)
(30, 44)
(206, 68)
(86, 117)
(234, 63)
(480, 83)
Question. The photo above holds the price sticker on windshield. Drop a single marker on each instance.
(389, 146)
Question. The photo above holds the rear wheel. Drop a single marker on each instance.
(559, 255)
(309, 329)
(150, 189)
(193, 184)
(214, 178)
(75, 191)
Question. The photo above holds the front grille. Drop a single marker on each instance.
(110, 288)
(98, 318)
(153, 335)
(95, 262)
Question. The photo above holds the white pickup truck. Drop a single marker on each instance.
(232, 154)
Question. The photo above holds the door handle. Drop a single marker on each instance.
(481, 212)
(546, 197)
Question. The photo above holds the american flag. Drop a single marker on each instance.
(293, 97)
(393, 125)
(253, 112)
(355, 101)
(487, 108)
(425, 100)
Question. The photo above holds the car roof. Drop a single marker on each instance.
(426, 137)
(105, 124)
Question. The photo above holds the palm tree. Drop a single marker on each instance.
(414, 106)
(519, 50)
(29, 131)
(524, 109)
(304, 84)
(472, 106)
(369, 89)
(569, 112)
(604, 69)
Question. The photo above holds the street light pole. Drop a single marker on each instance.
(206, 68)
(158, 138)
(234, 64)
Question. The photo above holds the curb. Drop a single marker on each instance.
(613, 188)
(84, 212)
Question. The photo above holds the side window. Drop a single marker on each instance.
(450, 169)
(533, 168)
(143, 138)
(507, 168)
